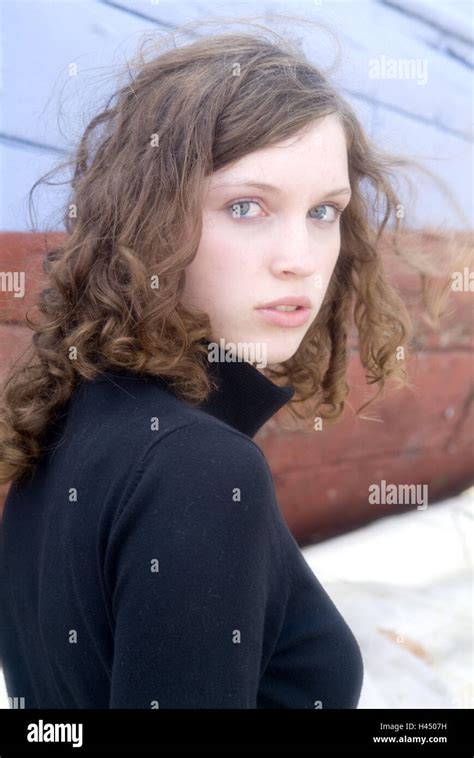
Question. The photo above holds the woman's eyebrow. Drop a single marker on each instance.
(277, 190)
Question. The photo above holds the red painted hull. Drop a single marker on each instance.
(423, 435)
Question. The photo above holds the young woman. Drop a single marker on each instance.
(145, 562)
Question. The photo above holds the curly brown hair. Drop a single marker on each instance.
(133, 218)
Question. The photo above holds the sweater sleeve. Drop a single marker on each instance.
(195, 574)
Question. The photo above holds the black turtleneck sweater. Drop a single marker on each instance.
(147, 564)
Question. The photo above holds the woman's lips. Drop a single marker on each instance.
(285, 318)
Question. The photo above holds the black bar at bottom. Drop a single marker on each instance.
(61, 731)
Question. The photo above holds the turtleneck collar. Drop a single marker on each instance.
(245, 398)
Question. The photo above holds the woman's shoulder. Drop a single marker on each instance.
(192, 470)
(139, 414)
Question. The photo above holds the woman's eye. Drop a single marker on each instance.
(334, 213)
(327, 213)
(239, 207)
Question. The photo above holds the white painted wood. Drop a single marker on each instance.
(453, 18)
(446, 155)
(21, 166)
(42, 38)
(42, 41)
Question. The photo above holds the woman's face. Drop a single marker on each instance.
(261, 244)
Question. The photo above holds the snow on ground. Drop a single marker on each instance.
(404, 584)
